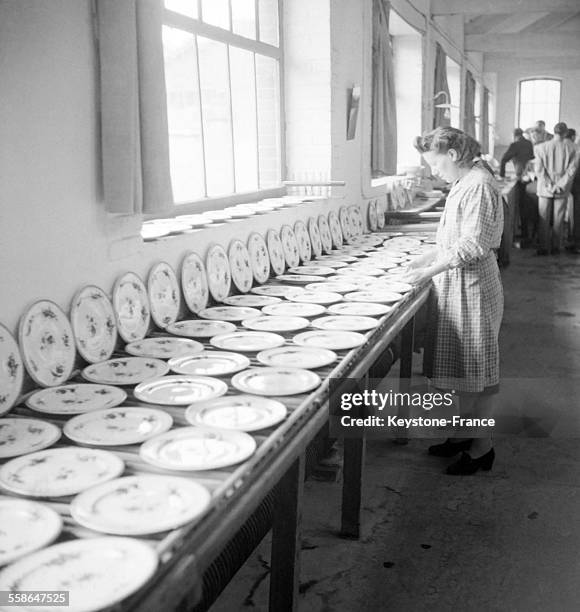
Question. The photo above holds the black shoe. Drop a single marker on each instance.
(449, 448)
(465, 465)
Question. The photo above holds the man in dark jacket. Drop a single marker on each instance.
(519, 153)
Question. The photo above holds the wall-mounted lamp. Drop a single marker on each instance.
(446, 105)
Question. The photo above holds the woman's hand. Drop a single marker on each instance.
(416, 276)
(423, 260)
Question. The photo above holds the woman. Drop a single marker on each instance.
(466, 307)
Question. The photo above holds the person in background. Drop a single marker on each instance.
(538, 133)
(575, 191)
(555, 169)
(466, 301)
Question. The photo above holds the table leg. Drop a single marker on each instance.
(286, 538)
(354, 453)
(406, 369)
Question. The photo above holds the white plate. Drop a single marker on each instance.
(276, 381)
(337, 257)
(356, 221)
(333, 340)
(315, 240)
(345, 322)
(141, 505)
(150, 231)
(197, 448)
(76, 398)
(117, 426)
(131, 306)
(247, 341)
(316, 297)
(303, 240)
(237, 412)
(396, 286)
(363, 269)
(335, 230)
(251, 301)
(212, 363)
(217, 215)
(201, 328)
(280, 324)
(353, 252)
(32, 525)
(305, 357)
(21, 436)
(381, 210)
(125, 370)
(335, 265)
(57, 472)
(164, 347)
(194, 220)
(312, 270)
(276, 252)
(259, 258)
(403, 242)
(366, 240)
(325, 236)
(294, 309)
(360, 280)
(180, 390)
(345, 223)
(362, 309)
(275, 290)
(381, 297)
(219, 276)
(373, 216)
(334, 286)
(289, 246)
(164, 294)
(229, 313)
(11, 370)
(97, 572)
(194, 282)
(239, 259)
(93, 323)
(47, 343)
(299, 279)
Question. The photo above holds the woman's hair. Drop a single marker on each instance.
(444, 139)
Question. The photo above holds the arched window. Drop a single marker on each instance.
(539, 99)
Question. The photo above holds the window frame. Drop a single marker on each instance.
(197, 27)
(519, 96)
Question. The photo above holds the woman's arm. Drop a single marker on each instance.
(424, 260)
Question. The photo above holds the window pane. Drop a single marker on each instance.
(268, 19)
(267, 84)
(217, 121)
(185, 142)
(185, 7)
(216, 12)
(244, 119)
(539, 99)
(244, 18)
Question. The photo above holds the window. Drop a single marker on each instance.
(454, 82)
(478, 110)
(539, 99)
(222, 72)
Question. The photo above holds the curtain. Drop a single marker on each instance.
(469, 116)
(384, 114)
(485, 122)
(439, 118)
(133, 107)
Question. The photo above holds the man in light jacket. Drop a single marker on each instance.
(555, 168)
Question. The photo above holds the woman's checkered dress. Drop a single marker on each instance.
(466, 302)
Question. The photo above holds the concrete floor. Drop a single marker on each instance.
(506, 540)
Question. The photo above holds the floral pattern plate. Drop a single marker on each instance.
(131, 306)
(316, 297)
(356, 221)
(57, 472)
(276, 252)
(11, 370)
(373, 216)
(335, 230)
(21, 436)
(251, 301)
(345, 322)
(381, 210)
(333, 340)
(276, 381)
(325, 235)
(315, 240)
(237, 412)
(362, 309)
(303, 239)
(140, 505)
(240, 266)
(362, 268)
(163, 347)
(200, 328)
(335, 286)
(194, 282)
(198, 448)
(47, 343)
(345, 223)
(164, 294)
(301, 279)
(219, 276)
(210, 363)
(281, 291)
(381, 297)
(117, 426)
(125, 370)
(395, 285)
(93, 322)
(32, 526)
(247, 341)
(305, 357)
(97, 572)
(259, 258)
(279, 324)
(75, 398)
(229, 313)
(180, 390)
(289, 246)
(294, 309)
(312, 270)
